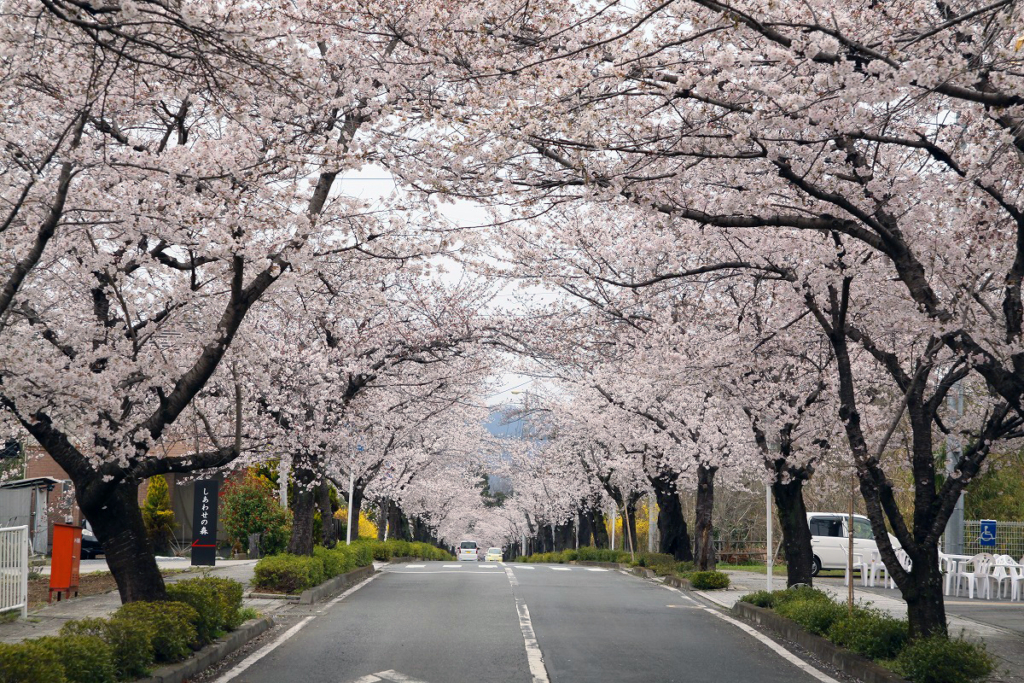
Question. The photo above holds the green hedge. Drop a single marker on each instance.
(287, 573)
(87, 659)
(30, 662)
(708, 580)
(125, 646)
(170, 627)
(879, 636)
(216, 601)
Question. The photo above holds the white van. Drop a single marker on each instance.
(467, 551)
(829, 534)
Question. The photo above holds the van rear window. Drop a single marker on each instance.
(468, 545)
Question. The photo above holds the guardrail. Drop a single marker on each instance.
(14, 569)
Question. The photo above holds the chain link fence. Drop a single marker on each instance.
(1009, 539)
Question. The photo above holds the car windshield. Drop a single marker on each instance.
(494, 550)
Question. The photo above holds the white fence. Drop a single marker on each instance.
(14, 569)
(1009, 539)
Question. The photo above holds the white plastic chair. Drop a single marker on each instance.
(947, 565)
(904, 561)
(1000, 574)
(975, 573)
(1017, 580)
(858, 563)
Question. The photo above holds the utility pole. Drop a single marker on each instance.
(613, 527)
(651, 520)
(953, 538)
(351, 494)
(768, 559)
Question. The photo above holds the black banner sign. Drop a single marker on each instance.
(204, 523)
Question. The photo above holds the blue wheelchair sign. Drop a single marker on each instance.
(988, 532)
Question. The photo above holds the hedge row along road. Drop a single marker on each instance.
(445, 622)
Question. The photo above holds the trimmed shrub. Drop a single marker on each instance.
(653, 560)
(336, 560)
(168, 625)
(685, 567)
(943, 660)
(287, 573)
(131, 649)
(709, 580)
(762, 598)
(815, 615)
(29, 662)
(217, 602)
(869, 632)
(88, 659)
(363, 554)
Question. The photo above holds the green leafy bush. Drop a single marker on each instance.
(362, 553)
(216, 601)
(29, 662)
(570, 555)
(870, 632)
(815, 615)
(158, 515)
(249, 507)
(709, 580)
(943, 660)
(761, 598)
(87, 658)
(336, 560)
(131, 649)
(654, 560)
(170, 626)
(287, 573)
(685, 567)
(247, 613)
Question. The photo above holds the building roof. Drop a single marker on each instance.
(34, 482)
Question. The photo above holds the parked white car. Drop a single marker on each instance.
(829, 539)
(467, 551)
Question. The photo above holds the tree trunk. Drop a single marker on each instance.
(397, 523)
(382, 519)
(598, 528)
(118, 525)
(704, 553)
(329, 532)
(926, 610)
(675, 538)
(565, 537)
(303, 506)
(629, 542)
(583, 520)
(796, 536)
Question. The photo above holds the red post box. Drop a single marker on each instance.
(67, 552)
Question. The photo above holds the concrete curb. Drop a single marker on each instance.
(606, 565)
(848, 662)
(678, 582)
(273, 596)
(211, 654)
(336, 585)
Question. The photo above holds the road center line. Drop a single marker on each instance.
(534, 657)
(263, 652)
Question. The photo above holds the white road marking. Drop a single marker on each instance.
(595, 569)
(772, 645)
(263, 652)
(389, 675)
(260, 654)
(534, 657)
(449, 566)
(487, 566)
(415, 566)
(520, 566)
(560, 569)
(367, 679)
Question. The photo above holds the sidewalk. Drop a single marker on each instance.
(47, 620)
(999, 624)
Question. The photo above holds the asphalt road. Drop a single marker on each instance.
(446, 623)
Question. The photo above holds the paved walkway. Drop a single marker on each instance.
(999, 624)
(47, 620)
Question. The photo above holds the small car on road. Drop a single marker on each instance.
(493, 555)
(467, 551)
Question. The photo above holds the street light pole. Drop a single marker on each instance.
(351, 494)
(768, 559)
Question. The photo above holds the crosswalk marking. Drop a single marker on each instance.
(560, 569)
(449, 566)
(487, 566)
(415, 566)
(521, 566)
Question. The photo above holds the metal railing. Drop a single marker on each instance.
(14, 569)
(1009, 539)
